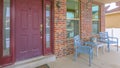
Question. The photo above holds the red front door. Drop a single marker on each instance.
(28, 30)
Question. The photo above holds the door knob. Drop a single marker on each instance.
(41, 29)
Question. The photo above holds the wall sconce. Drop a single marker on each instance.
(58, 4)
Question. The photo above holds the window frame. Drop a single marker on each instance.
(99, 18)
(74, 19)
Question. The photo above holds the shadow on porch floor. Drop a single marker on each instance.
(106, 60)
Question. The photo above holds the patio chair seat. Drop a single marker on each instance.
(85, 49)
(111, 42)
(95, 44)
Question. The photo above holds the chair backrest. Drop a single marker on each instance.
(103, 35)
(77, 41)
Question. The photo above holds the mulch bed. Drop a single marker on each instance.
(43, 66)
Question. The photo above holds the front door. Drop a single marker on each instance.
(28, 29)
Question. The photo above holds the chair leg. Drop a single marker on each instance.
(103, 49)
(90, 60)
(92, 55)
(97, 51)
(117, 47)
(75, 56)
(108, 46)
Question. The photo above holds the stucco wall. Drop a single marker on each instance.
(112, 20)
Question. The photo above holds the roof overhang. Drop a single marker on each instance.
(107, 1)
(112, 13)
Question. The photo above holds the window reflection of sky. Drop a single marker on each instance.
(70, 15)
(8, 12)
(47, 13)
(95, 10)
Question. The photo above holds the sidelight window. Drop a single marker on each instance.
(6, 28)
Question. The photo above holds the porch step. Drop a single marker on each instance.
(34, 62)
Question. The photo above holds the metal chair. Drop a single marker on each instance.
(94, 42)
(79, 48)
(108, 40)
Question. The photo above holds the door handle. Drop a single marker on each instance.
(41, 27)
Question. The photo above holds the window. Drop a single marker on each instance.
(72, 18)
(95, 19)
(6, 28)
(48, 26)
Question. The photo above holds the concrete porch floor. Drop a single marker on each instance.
(106, 60)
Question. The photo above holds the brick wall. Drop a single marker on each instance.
(60, 29)
(86, 20)
(61, 46)
(102, 18)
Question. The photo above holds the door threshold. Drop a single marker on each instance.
(29, 60)
(34, 62)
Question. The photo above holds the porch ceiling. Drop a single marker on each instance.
(107, 1)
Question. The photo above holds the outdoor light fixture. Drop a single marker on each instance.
(58, 4)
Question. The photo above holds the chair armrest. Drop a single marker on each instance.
(88, 47)
(113, 37)
(83, 47)
(88, 43)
